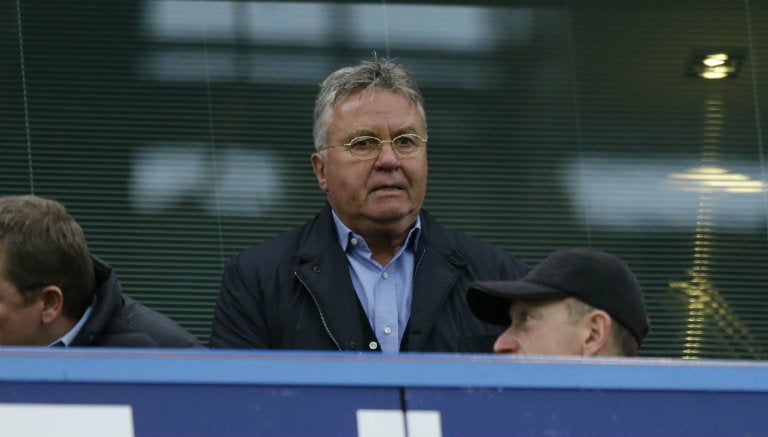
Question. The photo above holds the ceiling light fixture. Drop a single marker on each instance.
(714, 64)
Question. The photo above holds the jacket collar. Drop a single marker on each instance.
(324, 271)
(108, 298)
(438, 266)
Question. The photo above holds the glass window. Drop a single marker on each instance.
(179, 133)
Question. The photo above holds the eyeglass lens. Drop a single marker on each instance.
(405, 146)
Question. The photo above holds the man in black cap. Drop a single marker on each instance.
(576, 302)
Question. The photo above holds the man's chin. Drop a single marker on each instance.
(394, 215)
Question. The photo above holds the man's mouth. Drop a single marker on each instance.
(387, 188)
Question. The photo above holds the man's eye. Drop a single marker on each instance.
(364, 143)
(524, 317)
(404, 141)
(520, 318)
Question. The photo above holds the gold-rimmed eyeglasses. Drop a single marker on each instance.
(367, 147)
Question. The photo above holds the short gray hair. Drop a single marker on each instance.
(370, 76)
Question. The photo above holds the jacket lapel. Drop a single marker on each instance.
(438, 266)
(323, 270)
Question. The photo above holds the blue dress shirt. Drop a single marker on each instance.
(384, 291)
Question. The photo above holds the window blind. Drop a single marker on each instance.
(179, 133)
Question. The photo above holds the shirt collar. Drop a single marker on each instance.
(66, 340)
(345, 235)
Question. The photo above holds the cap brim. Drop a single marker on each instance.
(489, 300)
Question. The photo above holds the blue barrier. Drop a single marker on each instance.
(283, 394)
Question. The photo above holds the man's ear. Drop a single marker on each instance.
(318, 164)
(596, 331)
(53, 303)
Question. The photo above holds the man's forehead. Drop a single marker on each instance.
(371, 100)
(391, 111)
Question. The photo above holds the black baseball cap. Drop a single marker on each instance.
(596, 278)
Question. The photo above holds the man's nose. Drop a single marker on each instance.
(506, 343)
(387, 153)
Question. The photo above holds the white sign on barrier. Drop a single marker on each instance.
(392, 423)
(35, 420)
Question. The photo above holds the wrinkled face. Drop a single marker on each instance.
(386, 190)
(19, 324)
(540, 327)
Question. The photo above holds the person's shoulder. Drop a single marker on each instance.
(137, 319)
(433, 230)
(270, 252)
(472, 249)
(284, 244)
(276, 242)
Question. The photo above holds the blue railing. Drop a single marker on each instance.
(155, 393)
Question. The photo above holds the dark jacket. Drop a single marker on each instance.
(119, 321)
(295, 292)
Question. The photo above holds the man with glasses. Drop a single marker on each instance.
(372, 271)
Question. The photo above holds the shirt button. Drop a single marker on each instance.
(387, 330)
(385, 275)
(353, 241)
(373, 345)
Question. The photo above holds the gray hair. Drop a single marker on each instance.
(370, 76)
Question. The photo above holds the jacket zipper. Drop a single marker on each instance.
(418, 261)
(319, 311)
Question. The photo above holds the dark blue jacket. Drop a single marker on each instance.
(119, 321)
(294, 291)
